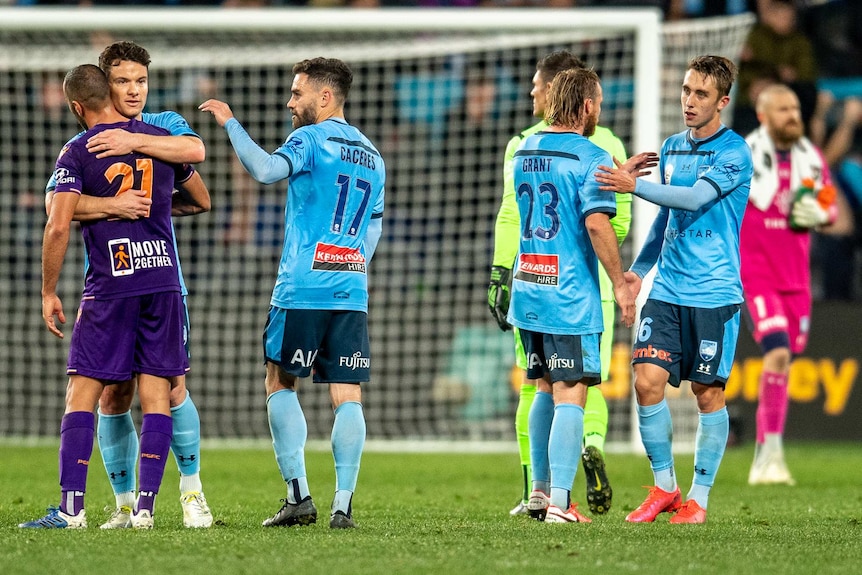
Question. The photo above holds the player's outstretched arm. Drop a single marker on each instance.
(175, 149)
(622, 177)
(191, 198)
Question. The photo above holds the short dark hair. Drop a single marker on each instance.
(123, 51)
(87, 85)
(555, 62)
(569, 90)
(331, 72)
(720, 69)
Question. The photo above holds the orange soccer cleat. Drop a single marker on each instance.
(690, 512)
(658, 501)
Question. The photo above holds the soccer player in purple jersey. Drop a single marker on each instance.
(131, 317)
(126, 66)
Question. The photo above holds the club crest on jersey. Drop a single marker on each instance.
(328, 257)
(541, 269)
(708, 349)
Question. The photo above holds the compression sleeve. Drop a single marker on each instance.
(651, 249)
(678, 197)
(263, 167)
(507, 230)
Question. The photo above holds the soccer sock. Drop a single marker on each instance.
(656, 430)
(541, 416)
(522, 431)
(118, 443)
(709, 444)
(186, 444)
(771, 405)
(289, 432)
(564, 450)
(595, 419)
(76, 446)
(156, 431)
(348, 440)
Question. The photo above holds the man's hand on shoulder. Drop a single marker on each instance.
(499, 293)
(113, 142)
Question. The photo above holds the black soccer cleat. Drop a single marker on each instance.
(340, 520)
(302, 513)
(599, 492)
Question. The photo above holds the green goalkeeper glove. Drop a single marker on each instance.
(499, 291)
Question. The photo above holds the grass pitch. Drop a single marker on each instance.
(435, 513)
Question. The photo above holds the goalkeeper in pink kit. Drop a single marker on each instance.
(791, 194)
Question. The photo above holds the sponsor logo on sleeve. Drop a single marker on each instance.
(61, 176)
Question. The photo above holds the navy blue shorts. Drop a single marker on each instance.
(563, 357)
(116, 338)
(333, 343)
(691, 343)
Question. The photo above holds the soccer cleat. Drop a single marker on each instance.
(142, 519)
(519, 509)
(770, 469)
(120, 518)
(658, 501)
(689, 512)
(599, 492)
(56, 519)
(196, 512)
(341, 520)
(537, 505)
(302, 513)
(570, 515)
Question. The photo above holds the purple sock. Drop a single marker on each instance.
(76, 446)
(156, 431)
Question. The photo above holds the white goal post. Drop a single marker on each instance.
(439, 92)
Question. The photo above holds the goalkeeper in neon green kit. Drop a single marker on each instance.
(506, 239)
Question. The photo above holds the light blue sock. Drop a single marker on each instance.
(348, 440)
(564, 451)
(656, 430)
(186, 442)
(541, 416)
(709, 444)
(289, 433)
(118, 443)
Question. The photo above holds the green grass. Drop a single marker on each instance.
(433, 513)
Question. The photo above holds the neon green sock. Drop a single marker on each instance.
(595, 419)
(522, 416)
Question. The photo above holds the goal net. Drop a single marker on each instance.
(439, 92)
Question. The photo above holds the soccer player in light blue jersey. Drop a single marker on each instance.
(126, 66)
(690, 322)
(318, 312)
(556, 301)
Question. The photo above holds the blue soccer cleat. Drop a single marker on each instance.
(56, 519)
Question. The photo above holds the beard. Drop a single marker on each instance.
(301, 118)
(787, 134)
(590, 125)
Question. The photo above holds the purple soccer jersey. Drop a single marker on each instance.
(126, 258)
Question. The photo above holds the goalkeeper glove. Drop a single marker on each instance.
(499, 291)
(807, 213)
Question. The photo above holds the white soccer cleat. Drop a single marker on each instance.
(196, 512)
(121, 518)
(537, 506)
(769, 468)
(142, 519)
(570, 515)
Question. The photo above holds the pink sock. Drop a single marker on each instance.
(772, 404)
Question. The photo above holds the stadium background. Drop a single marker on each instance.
(440, 106)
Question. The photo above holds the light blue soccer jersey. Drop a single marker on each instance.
(556, 283)
(335, 187)
(177, 126)
(699, 263)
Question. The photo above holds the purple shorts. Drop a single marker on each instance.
(114, 339)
